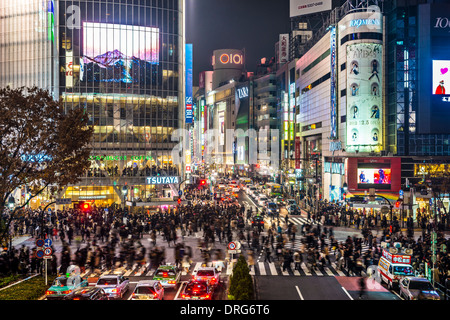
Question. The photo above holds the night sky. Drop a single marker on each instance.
(234, 24)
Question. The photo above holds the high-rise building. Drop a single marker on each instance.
(122, 61)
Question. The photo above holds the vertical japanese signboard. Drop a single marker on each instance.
(333, 98)
(283, 47)
(189, 71)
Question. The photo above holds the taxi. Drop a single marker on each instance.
(168, 275)
(209, 274)
(148, 290)
(64, 285)
(197, 290)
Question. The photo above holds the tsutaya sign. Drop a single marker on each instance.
(162, 180)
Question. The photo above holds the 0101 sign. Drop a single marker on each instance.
(226, 58)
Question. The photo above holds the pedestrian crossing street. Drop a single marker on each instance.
(261, 268)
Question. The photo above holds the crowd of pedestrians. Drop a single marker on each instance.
(112, 238)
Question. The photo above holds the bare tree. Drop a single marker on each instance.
(41, 145)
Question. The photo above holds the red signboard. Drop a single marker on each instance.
(297, 153)
(397, 258)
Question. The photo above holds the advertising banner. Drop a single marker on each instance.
(441, 77)
(283, 48)
(333, 96)
(303, 7)
(364, 97)
(189, 71)
(118, 53)
(297, 152)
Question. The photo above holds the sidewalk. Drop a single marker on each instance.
(377, 228)
(18, 240)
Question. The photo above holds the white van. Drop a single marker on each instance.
(394, 266)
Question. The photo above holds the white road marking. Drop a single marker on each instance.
(299, 293)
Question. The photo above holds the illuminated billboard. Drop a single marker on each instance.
(118, 53)
(364, 97)
(374, 176)
(441, 77)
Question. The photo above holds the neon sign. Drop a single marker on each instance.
(242, 92)
(162, 180)
(364, 22)
(231, 58)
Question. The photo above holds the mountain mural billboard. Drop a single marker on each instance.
(119, 53)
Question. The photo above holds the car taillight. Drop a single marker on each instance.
(50, 292)
(183, 295)
(76, 298)
(67, 292)
(114, 290)
(155, 295)
(207, 296)
(171, 282)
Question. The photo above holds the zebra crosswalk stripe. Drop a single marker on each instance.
(273, 270)
(262, 268)
(305, 269)
(258, 269)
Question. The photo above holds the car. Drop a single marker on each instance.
(272, 208)
(279, 200)
(293, 209)
(247, 187)
(234, 188)
(251, 190)
(114, 285)
(290, 202)
(262, 201)
(64, 285)
(148, 290)
(210, 274)
(87, 293)
(257, 221)
(197, 290)
(416, 288)
(168, 275)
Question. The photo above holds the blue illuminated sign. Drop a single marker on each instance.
(189, 70)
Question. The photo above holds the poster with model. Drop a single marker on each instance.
(364, 97)
(441, 77)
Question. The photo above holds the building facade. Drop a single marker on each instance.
(123, 63)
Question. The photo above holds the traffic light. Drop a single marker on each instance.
(202, 182)
(179, 201)
(398, 203)
(85, 207)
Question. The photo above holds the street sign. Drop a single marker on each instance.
(180, 193)
(48, 251)
(400, 193)
(232, 246)
(40, 243)
(48, 242)
(40, 254)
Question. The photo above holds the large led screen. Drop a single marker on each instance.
(441, 76)
(118, 53)
(374, 176)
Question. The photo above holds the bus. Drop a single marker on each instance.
(273, 189)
